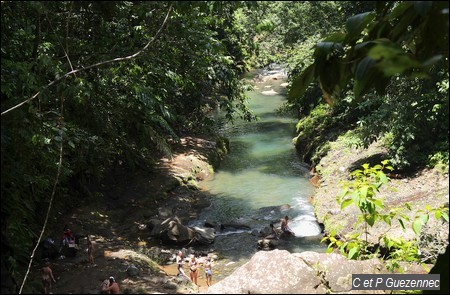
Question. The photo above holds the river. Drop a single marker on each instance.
(260, 174)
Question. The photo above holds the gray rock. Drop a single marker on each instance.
(132, 271)
(279, 272)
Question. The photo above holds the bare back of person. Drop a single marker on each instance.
(114, 288)
(47, 278)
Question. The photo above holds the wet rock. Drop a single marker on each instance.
(233, 226)
(211, 223)
(267, 244)
(132, 271)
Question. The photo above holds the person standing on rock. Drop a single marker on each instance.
(193, 269)
(208, 271)
(180, 263)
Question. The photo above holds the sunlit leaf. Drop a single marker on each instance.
(417, 226)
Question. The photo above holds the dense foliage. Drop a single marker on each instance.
(162, 68)
(88, 86)
(386, 75)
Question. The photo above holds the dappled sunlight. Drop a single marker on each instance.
(98, 214)
(126, 255)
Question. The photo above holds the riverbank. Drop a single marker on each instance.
(116, 219)
(421, 188)
(117, 223)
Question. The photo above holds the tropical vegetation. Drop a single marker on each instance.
(88, 86)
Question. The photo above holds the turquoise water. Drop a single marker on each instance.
(263, 170)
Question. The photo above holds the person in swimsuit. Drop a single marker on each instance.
(47, 277)
(208, 271)
(193, 269)
(180, 263)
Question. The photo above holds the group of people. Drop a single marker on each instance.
(47, 273)
(285, 229)
(193, 268)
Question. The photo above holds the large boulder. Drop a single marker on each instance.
(173, 231)
(276, 272)
(204, 235)
(279, 272)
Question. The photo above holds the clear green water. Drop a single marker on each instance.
(263, 170)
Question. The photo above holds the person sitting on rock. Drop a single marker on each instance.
(273, 234)
(285, 228)
(104, 287)
(113, 286)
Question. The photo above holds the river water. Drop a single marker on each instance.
(261, 180)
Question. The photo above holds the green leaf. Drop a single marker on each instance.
(378, 203)
(424, 218)
(408, 206)
(363, 85)
(346, 203)
(437, 214)
(356, 24)
(405, 20)
(417, 226)
(336, 37)
(353, 252)
(301, 82)
(399, 9)
(371, 219)
(402, 224)
(363, 191)
(383, 177)
(326, 48)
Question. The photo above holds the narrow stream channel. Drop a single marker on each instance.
(261, 174)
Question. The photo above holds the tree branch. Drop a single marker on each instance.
(93, 66)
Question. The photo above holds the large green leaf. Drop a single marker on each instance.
(301, 82)
(327, 48)
(393, 60)
(356, 24)
(364, 77)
